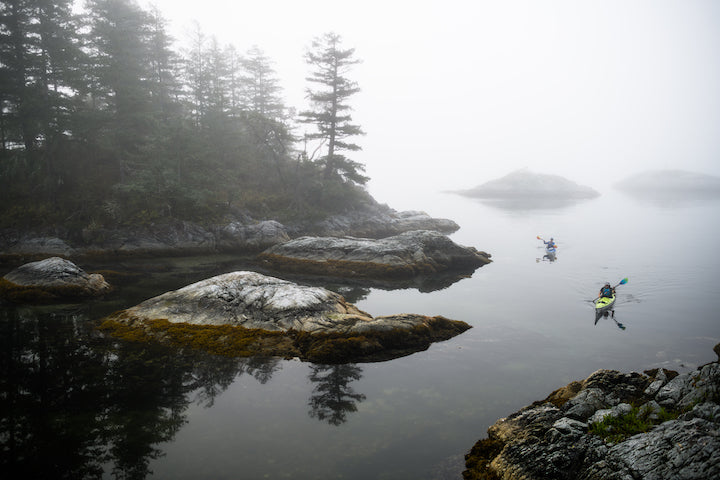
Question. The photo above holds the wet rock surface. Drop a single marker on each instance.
(51, 279)
(246, 314)
(657, 425)
(421, 252)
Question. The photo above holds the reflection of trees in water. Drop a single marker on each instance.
(332, 398)
(71, 402)
(49, 416)
(352, 294)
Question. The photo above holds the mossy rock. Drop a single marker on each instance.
(237, 341)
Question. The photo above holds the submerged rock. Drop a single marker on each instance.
(51, 279)
(610, 426)
(409, 254)
(246, 314)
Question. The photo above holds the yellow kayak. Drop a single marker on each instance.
(602, 304)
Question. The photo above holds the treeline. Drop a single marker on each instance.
(103, 123)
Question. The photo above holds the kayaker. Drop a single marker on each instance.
(550, 244)
(607, 291)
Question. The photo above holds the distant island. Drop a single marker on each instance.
(670, 182)
(524, 184)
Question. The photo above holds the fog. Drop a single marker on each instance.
(456, 93)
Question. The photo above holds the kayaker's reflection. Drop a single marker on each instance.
(611, 314)
(548, 257)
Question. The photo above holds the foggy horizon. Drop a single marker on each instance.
(594, 92)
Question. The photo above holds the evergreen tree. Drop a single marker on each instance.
(330, 65)
(266, 115)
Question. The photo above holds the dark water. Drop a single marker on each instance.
(74, 405)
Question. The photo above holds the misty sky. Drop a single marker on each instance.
(455, 93)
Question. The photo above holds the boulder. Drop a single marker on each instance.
(591, 430)
(254, 236)
(409, 254)
(51, 279)
(247, 314)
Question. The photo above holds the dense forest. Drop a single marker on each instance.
(104, 124)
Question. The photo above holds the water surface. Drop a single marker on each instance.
(75, 405)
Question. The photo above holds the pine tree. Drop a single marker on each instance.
(330, 65)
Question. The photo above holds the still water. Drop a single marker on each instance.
(73, 405)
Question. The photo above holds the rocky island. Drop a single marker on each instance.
(670, 185)
(525, 184)
(611, 426)
(248, 314)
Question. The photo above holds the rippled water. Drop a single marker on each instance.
(77, 406)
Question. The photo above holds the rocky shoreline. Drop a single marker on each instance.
(237, 234)
(611, 426)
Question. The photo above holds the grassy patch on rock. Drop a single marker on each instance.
(615, 429)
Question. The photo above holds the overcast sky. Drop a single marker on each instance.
(455, 93)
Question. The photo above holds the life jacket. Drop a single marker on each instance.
(606, 292)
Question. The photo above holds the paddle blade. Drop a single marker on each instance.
(623, 281)
(539, 237)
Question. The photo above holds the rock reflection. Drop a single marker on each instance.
(522, 204)
(333, 397)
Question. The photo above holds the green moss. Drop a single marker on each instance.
(32, 294)
(615, 429)
(225, 340)
(477, 462)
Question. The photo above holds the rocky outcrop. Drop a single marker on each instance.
(409, 254)
(51, 279)
(255, 236)
(377, 222)
(610, 426)
(248, 314)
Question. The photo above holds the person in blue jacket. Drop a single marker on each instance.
(550, 244)
(607, 291)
